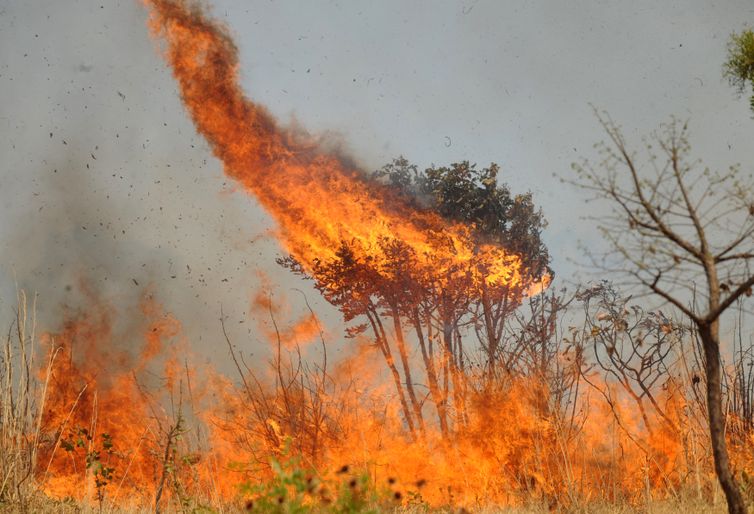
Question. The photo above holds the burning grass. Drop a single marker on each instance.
(88, 426)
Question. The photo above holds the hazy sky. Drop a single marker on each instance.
(103, 178)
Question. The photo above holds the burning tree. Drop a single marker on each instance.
(460, 192)
(683, 233)
(440, 298)
(374, 250)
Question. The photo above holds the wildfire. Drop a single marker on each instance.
(106, 432)
(105, 436)
(94, 412)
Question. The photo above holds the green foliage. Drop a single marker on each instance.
(97, 457)
(739, 68)
(464, 193)
(294, 489)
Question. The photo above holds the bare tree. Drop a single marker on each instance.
(684, 234)
(633, 348)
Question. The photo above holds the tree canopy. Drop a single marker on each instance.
(462, 192)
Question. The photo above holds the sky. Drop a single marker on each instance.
(105, 182)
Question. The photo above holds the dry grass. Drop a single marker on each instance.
(40, 504)
(24, 382)
(21, 405)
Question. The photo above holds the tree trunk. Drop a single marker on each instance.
(403, 352)
(711, 345)
(455, 375)
(384, 346)
(492, 340)
(434, 387)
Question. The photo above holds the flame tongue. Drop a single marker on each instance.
(317, 201)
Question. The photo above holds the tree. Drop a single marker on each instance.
(461, 192)
(410, 302)
(684, 234)
(739, 68)
(464, 193)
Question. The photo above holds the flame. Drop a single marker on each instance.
(102, 424)
(318, 201)
(266, 309)
(516, 446)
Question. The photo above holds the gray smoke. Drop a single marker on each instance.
(104, 182)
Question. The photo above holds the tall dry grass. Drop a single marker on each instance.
(295, 403)
(22, 396)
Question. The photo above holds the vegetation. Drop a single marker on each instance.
(437, 306)
(462, 192)
(577, 401)
(739, 66)
(684, 234)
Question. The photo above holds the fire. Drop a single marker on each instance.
(194, 435)
(101, 415)
(317, 200)
(105, 432)
(94, 417)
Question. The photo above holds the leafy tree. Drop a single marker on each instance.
(405, 302)
(683, 233)
(739, 68)
(464, 193)
(461, 192)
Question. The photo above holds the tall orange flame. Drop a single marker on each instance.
(96, 417)
(317, 200)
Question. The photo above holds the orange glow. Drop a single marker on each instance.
(512, 450)
(94, 400)
(317, 200)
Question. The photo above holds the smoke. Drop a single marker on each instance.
(105, 183)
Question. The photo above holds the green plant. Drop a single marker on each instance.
(295, 489)
(739, 67)
(97, 458)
